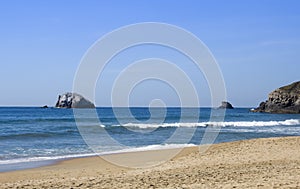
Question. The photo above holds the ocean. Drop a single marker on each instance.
(32, 136)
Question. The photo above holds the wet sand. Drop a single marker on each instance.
(258, 163)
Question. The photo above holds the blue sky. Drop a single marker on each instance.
(256, 43)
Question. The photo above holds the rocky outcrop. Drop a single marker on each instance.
(283, 100)
(226, 105)
(73, 100)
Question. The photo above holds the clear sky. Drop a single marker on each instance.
(256, 43)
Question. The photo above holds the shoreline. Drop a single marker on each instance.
(49, 161)
(265, 162)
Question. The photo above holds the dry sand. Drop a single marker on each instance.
(259, 163)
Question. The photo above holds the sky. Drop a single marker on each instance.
(256, 44)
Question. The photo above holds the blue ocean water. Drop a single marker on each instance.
(31, 136)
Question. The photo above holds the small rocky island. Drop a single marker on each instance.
(226, 105)
(283, 100)
(73, 100)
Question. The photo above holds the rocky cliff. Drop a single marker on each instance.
(73, 100)
(286, 99)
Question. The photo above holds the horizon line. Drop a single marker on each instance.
(35, 106)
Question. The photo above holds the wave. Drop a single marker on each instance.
(34, 120)
(32, 135)
(46, 120)
(62, 157)
(37, 159)
(149, 147)
(289, 122)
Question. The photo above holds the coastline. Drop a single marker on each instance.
(266, 162)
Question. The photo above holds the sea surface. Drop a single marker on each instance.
(32, 136)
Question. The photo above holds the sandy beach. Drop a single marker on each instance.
(258, 163)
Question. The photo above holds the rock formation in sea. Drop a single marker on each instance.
(285, 99)
(73, 100)
(226, 105)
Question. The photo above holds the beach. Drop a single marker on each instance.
(149, 94)
(255, 163)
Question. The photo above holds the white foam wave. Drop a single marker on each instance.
(288, 122)
(133, 149)
(150, 147)
(37, 159)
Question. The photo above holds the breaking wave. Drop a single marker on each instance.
(289, 122)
